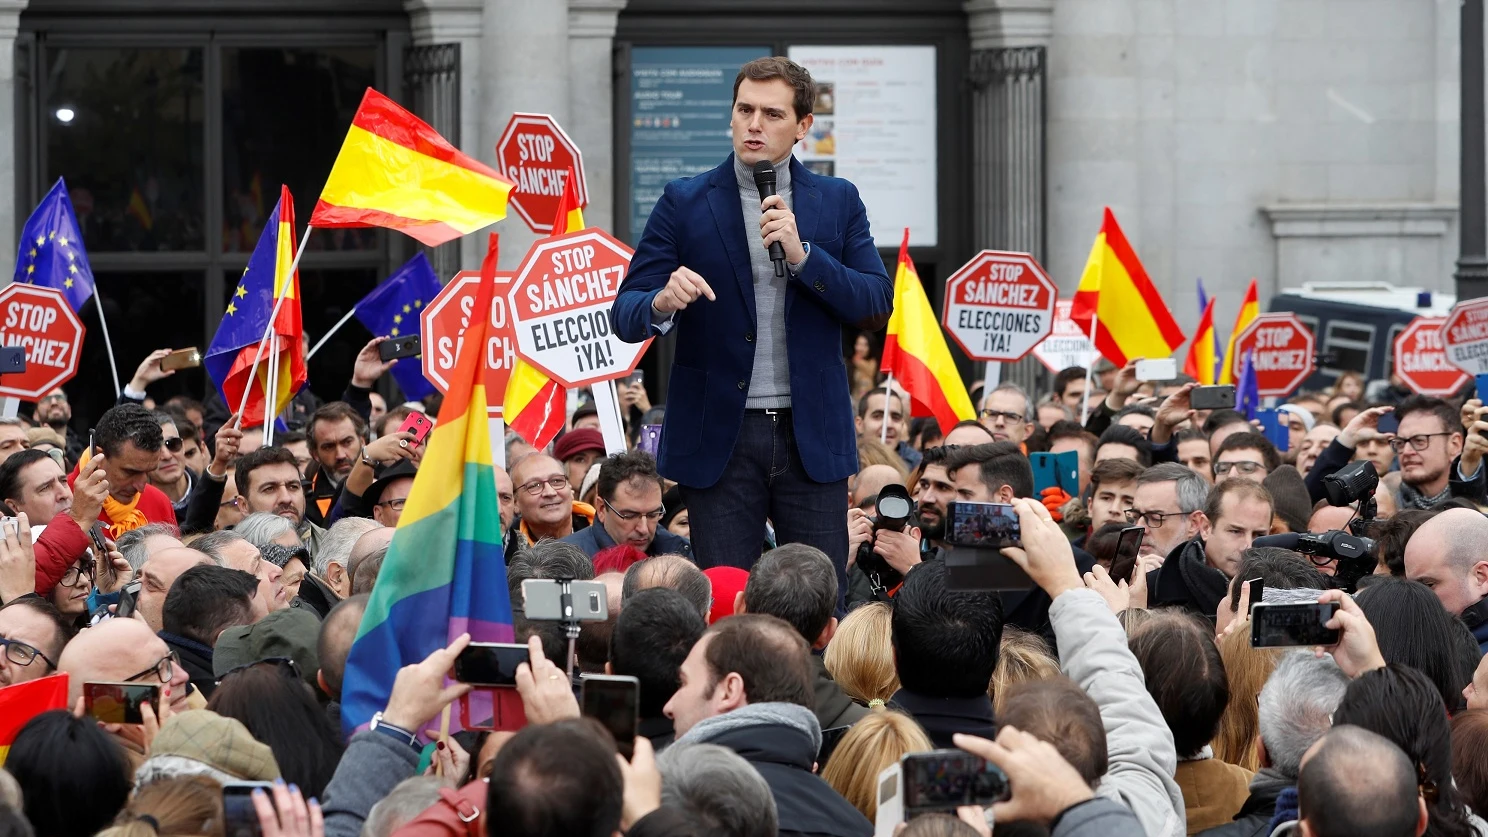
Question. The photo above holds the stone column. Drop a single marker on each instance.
(591, 33)
(1009, 23)
(10, 215)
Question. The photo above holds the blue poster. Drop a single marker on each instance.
(680, 100)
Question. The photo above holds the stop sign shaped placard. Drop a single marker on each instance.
(443, 325)
(1067, 345)
(40, 321)
(1283, 352)
(1421, 360)
(1465, 336)
(536, 155)
(999, 305)
(560, 303)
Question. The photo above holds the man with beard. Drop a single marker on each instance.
(336, 433)
(1434, 467)
(55, 412)
(268, 480)
(129, 441)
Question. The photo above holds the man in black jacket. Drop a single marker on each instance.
(653, 634)
(203, 602)
(1197, 572)
(746, 685)
(1429, 445)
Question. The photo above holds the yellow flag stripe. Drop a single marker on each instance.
(1123, 311)
(450, 447)
(917, 330)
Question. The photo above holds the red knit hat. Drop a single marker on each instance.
(728, 583)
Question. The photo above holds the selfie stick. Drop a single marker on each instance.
(570, 622)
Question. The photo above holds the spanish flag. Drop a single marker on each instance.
(1200, 364)
(915, 351)
(1134, 321)
(534, 407)
(395, 171)
(1249, 310)
(24, 701)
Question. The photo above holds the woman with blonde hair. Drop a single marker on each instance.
(872, 744)
(874, 452)
(860, 656)
(1247, 669)
(1023, 657)
(187, 806)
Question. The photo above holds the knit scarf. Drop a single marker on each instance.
(1412, 498)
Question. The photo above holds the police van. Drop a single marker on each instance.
(1355, 323)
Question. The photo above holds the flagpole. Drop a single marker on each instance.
(1089, 369)
(335, 328)
(107, 343)
(883, 430)
(269, 328)
(271, 393)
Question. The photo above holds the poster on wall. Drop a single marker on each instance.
(680, 100)
(875, 125)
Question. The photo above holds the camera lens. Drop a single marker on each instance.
(893, 507)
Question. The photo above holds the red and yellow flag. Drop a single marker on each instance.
(1200, 363)
(1133, 320)
(915, 351)
(24, 701)
(1249, 310)
(395, 171)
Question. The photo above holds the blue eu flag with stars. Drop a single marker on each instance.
(51, 252)
(393, 309)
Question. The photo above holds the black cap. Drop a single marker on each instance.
(396, 471)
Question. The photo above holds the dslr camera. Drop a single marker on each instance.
(1354, 553)
(894, 512)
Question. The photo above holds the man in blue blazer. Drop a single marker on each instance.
(759, 419)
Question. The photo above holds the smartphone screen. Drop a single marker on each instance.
(1483, 388)
(1286, 625)
(1128, 548)
(127, 598)
(490, 663)
(1257, 593)
(942, 780)
(239, 816)
(119, 703)
(983, 525)
(615, 703)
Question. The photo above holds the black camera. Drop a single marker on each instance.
(894, 511)
(1351, 483)
(1353, 555)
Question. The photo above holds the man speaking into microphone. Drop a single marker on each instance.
(759, 420)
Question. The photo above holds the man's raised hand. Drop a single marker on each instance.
(682, 289)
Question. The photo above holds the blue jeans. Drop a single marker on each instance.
(765, 479)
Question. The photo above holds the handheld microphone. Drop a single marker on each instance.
(764, 181)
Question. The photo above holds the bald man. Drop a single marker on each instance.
(674, 572)
(157, 575)
(120, 650)
(872, 479)
(968, 433)
(372, 542)
(1354, 781)
(1447, 555)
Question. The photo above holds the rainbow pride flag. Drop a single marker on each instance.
(444, 574)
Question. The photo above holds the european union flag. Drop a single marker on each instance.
(1247, 393)
(51, 252)
(393, 309)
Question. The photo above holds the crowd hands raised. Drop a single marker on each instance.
(1118, 694)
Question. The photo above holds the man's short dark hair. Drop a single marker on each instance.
(1358, 782)
(999, 464)
(674, 572)
(128, 423)
(1135, 410)
(1451, 422)
(1114, 471)
(1278, 569)
(1067, 376)
(63, 629)
(1070, 430)
(863, 400)
(1120, 434)
(558, 778)
(289, 437)
(1243, 489)
(1189, 434)
(620, 468)
(333, 412)
(797, 583)
(1185, 676)
(245, 465)
(11, 486)
(1058, 711)
(1251, 441)
(205, 600)
(768, 654)
(788, 71)
(1223, 418)
(653, 634)
(945, 642)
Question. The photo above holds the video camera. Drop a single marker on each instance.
(1354, 553)
(894, 512)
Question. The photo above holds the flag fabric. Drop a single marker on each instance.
(444, 574)
(24, 701)
(1133, 320)
(1201, 355)
(1249, 310)
(1213, 337)
(230, 356)
(916, 354)
(395, 171)
(51, 252)
(393, 309)
(570, 212)
(139, 209)
(1248, 391)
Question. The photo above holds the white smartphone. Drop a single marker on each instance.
(1157, 369)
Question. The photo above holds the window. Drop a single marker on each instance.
(1351, 344)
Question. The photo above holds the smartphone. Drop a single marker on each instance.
(830, 739)
(490, 663)
(1157, 369)
(12, 360)
(1286, 625)
(100, 554)
(982, 525)
(119, 703)
(1128, 548)
(1056, 470)
(543, 600)
(418, 424)
(614, 701)
(1483, 388)
(650, 440)
(942, 780)
(181, 359)
(1218, 397)
(636, 378)
(1257, 593)
(1388, 423)
(127, 597)
(1276, 428)
(394, 348)
(239, 816)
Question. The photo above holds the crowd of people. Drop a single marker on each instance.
(1119, 694)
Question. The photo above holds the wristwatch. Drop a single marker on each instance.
(369, 462)
(399, 733)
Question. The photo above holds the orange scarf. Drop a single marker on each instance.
(123, 517)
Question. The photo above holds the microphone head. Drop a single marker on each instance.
(764, 172)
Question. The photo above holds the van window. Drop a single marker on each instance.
(1351, 345)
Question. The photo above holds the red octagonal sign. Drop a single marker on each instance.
(999, 305)
(560, 305)
(39, 320)
(1465, 336)
(536, 155)
(443, 325)
(1421, 360)
(1283, 352)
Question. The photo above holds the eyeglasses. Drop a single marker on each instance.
(287, 666)
(536, 486)
(395, 505)
(22, 654)
(162, 669)
(1244, 467)
(77, 571)
(1010, 418)
(1419, 442)
(173, 444)
(630, 516)
(1154, 520)
(54, 397)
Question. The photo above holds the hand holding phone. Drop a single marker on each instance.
(181, 359)
(119, 703)
(418, 424)
(240, 817)
(1288, 625)
(615, 702)
(403, 346)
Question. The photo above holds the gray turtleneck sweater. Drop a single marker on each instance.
(769, 384)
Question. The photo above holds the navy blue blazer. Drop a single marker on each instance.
(699, 223)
